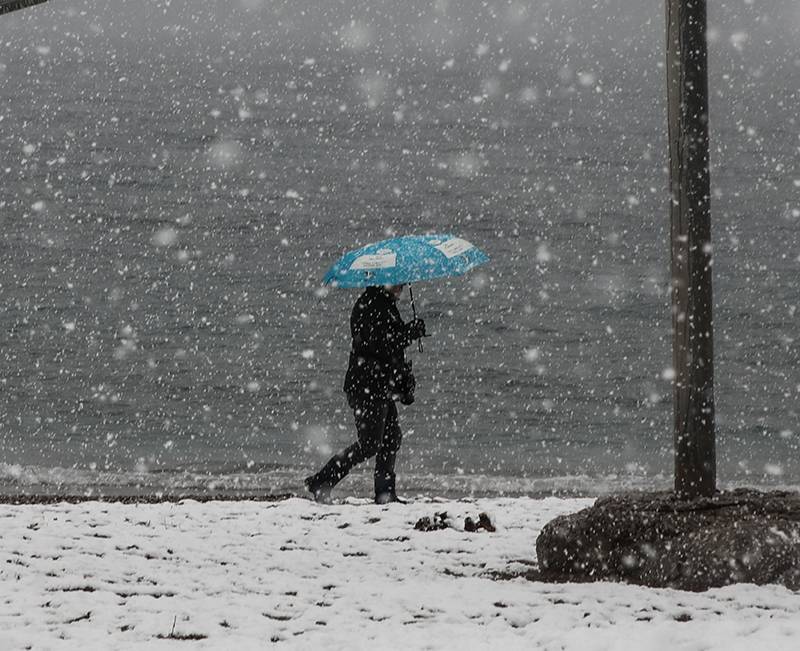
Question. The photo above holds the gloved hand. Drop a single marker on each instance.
(416, 329)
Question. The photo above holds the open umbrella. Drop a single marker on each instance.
(405, 260)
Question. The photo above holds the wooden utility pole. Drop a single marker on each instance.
(692, 323)
(7, 6)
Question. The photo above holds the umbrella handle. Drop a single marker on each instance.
(414, 312)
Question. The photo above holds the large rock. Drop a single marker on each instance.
(654, 539)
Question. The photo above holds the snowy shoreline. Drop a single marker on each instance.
(245, 573)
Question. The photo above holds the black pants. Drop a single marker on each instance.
(379, 435)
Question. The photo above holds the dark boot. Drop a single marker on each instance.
(384, 489)
(337, 468)
(320, 491)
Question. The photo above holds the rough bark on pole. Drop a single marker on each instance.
(687, 80)
(7, 6)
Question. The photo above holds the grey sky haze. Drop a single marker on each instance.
(387, 26)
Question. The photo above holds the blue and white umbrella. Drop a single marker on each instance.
(405, 260)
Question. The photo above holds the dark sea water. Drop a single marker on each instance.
(169, 206)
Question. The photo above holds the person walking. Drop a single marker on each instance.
(377, 375)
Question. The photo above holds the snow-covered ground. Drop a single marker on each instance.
(251, 575)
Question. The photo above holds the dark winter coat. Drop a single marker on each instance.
(380, 337)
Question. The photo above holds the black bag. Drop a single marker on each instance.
(403, 383)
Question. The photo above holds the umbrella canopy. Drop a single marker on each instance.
(404, 260)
